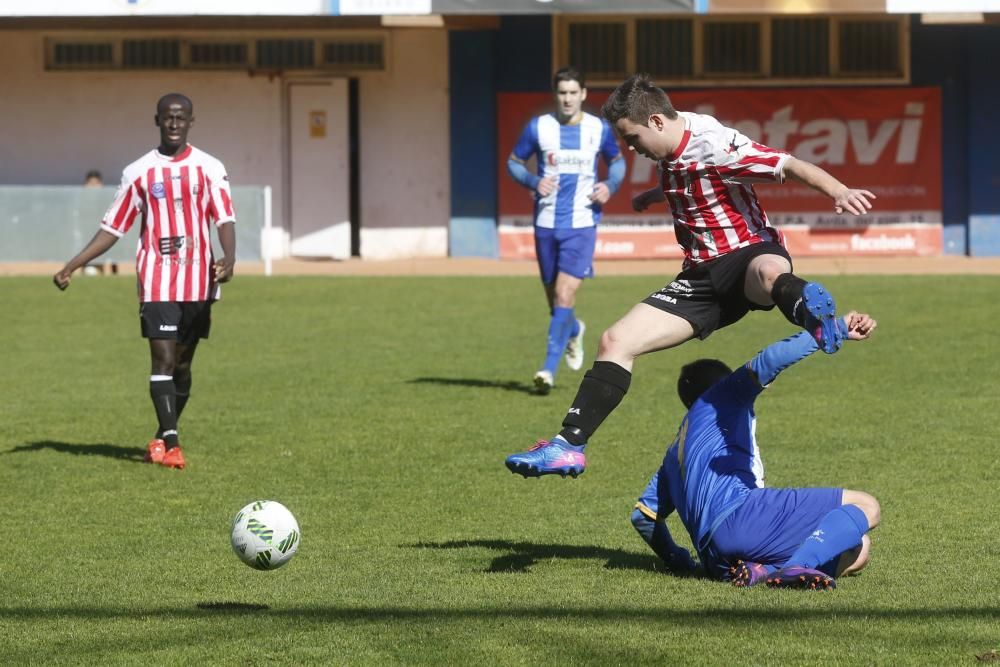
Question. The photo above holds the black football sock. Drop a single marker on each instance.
(603, 388)
(164, 395)
(183, 386)
(787, 295)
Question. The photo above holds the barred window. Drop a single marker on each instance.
(735, 50)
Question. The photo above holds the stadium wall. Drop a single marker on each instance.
(59, 125)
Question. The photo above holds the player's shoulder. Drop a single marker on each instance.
(701, 123)
(139, 166)
(593, 119)
(205, 158)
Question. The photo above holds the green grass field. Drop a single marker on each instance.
(380, 411)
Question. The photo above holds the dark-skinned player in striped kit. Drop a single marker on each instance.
(178, 192)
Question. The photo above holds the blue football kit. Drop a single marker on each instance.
(566, 220)
(712, 476)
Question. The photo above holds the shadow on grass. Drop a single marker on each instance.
(509, 385)
(102, 449)
(520, 556)
(696, 617)
(231, 607)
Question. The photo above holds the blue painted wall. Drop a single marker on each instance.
(473, 123)
(517, 57)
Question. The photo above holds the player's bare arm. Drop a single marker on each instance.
(845, 199)
(644, 200)
(223, 268)
(97, 246)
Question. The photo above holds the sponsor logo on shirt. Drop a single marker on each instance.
(170, 245)
(157, 190)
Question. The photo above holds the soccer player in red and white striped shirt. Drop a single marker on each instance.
(178, 192)
(735, 261)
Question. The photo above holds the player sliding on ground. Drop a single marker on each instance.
(179, 191)
(735, 261)
(713, 477)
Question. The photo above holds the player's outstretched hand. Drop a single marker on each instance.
(859, 325)
(222, 270)
(853, 201)
(547, 186)
(62, 278)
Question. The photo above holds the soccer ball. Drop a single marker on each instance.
(265, 535)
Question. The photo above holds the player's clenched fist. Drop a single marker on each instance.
(62, 278)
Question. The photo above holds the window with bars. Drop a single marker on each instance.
(81, 55)
(354, 54)
(343, 53)
(218, 54)
(664, 47)
(286, 53)
(800, 47)
(598, 48)
(151, 53)
(736, 50)
(731, 47)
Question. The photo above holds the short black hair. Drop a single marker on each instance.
(697, 377)
(170, 98)
(568, 74)
(637, 98)
(93, 173)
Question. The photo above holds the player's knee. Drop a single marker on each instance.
(612, 344)
(565, 296)
(867, 504)
(767, 268)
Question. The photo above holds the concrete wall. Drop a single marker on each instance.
(405, 184)
(59, 125)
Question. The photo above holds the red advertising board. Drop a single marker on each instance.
(886, 140)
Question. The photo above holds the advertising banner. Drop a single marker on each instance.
(886, 140)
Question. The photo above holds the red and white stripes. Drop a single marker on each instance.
(178, 198)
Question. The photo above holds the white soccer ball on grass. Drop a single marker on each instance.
(265, 535)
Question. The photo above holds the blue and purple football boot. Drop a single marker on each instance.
(821, 318)
(555, 457)
(805, 578)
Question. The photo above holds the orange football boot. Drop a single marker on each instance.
(174, 458)
(155, 451)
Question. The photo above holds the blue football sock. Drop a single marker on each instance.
(840, 530)
(559, 328)
(575, 331)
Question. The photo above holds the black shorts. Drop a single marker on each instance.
(187, 322)
(711, 295)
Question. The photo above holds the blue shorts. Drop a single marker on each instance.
(771, 524)
(568, 251)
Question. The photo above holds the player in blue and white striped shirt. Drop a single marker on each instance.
(568, 201)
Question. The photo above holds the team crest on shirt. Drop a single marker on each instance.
(157, 190)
